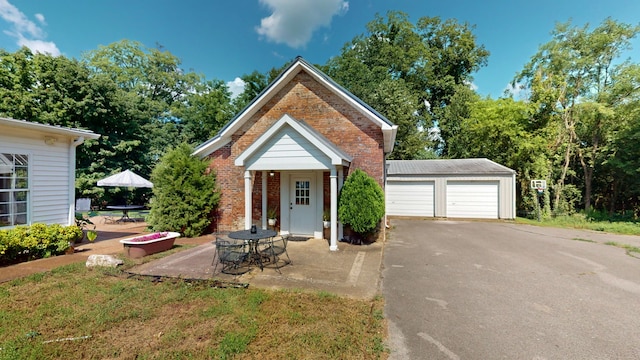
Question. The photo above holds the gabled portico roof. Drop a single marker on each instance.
(296, 146)
(389, 130)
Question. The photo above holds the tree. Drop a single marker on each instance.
(571, 80)
(361, 203)
(149, 82)
(254, 84)
(622, 179)
(184, 194)
(204, 111)
(501, 130)
(434, 58)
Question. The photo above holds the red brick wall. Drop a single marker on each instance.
(309, 101)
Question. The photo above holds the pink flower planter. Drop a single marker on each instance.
(143, 245)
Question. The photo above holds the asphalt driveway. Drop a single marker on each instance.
(491, 290)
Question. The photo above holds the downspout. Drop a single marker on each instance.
(385, 167)
(72, 179)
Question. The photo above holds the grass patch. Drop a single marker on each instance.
(98, 314)
(630, 250)
(580, 221)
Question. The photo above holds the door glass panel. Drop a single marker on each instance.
(302, 192)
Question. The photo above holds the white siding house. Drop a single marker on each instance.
(37, 172)
(456, 188)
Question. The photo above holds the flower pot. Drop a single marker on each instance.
(143, 245)
(271, 222)
(326, 224)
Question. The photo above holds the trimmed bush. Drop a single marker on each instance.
(184, 195)
(361, 203)
(37, 241)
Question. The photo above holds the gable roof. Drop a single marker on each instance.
(49, 129)
(299, 64)
(313, 140)
(480, 166)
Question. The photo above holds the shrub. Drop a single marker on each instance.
(361, 203)
(183, 194)
(36, 241)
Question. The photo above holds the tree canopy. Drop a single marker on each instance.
(576, 126)
(428, 63)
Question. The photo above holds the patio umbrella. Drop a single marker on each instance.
(127, 179)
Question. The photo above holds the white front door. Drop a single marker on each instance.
(302, 213)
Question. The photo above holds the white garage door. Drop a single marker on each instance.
(410, 198)
(472, 199)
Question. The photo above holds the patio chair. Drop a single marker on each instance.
(232, 255)
(110, 218)
(274, 249)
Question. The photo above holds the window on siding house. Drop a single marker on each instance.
(14, 189)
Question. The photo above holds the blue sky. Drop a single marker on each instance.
(224, 39)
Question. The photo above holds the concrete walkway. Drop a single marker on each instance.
(352, 271)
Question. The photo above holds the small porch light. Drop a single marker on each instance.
(271, 173)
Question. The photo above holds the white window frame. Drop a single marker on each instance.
(14, 217)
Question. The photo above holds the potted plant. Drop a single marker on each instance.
(272, 215)
(326, 219)
(83, 222)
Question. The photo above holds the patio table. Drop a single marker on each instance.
(125, 211)
(253, 239)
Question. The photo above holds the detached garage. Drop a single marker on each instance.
(456, 188)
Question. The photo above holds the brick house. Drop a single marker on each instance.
(291, 148)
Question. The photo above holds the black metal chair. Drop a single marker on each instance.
(232, 255)
(274, 249)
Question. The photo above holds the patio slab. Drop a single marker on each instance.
(352, 271)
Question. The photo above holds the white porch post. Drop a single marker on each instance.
(264, 199)
(247, 200)
(334, 209)
(340, 183)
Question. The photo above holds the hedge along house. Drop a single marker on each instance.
(457, 188)
(292, 148)
(37, 172)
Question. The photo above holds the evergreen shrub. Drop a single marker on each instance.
(361, 203)
(184, 195)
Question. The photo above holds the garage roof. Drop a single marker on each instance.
(446, 167)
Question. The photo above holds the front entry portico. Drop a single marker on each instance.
(301, 156)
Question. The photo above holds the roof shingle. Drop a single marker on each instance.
(446, 167)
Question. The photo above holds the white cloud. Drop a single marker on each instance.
(41, 19)
(292, 22)
(514, 89)
(25, 31)
(471, 85)
(40, 46)
(236, 87)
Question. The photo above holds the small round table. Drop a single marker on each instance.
(253, 238)
(125, 211)
(248, 235)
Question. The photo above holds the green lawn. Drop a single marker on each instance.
(579, 221)
(74, 312)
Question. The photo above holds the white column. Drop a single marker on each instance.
(247, 200)
(340, 183)
(264, 199)
(333, 177)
